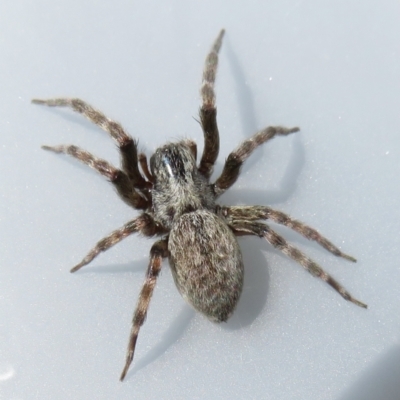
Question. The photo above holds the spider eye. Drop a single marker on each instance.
(152, 163)
(166, 161)
(173, 164)
(173, 161)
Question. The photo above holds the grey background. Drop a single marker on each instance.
(330, 67)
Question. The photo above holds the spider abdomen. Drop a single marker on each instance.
(206, 263)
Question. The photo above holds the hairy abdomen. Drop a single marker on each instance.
(206, 263)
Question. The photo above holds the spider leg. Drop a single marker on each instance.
(143, 224)
(192, 146)
(234, 162)
(241, 227)
(208, 111)
(158, 251)
(127, 146)
(145, 168)
(253, 213)
(117, 177)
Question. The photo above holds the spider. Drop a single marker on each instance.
(178, 203)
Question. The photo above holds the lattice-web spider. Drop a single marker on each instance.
(178, 203)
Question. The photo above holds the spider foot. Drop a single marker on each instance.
(348, 258)
(128, 362)
(77, 267)
(55, 149)
(52, 102)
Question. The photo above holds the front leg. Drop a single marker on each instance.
(254, 213)
(208, 111)
(158, 251)
(117, 177)
(127, 146)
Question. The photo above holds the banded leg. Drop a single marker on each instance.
(117, 177)
(158, 251)
(253, 213)
(127, 146)
(208, 112)
(262, 230)
(234, 162)
(143, 224)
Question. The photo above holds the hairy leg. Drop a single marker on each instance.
(208, 111)
(234, 162)
(117, 177)
(145, 167)
(143, 224)
(127, 146)
(262, 230)
(254, 213)
(158, 251)
(192, 146)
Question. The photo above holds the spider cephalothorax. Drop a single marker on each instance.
(178, 186)
(178, 203)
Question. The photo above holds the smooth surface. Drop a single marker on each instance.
(330, 67)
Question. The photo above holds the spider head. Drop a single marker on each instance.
(173, 164)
